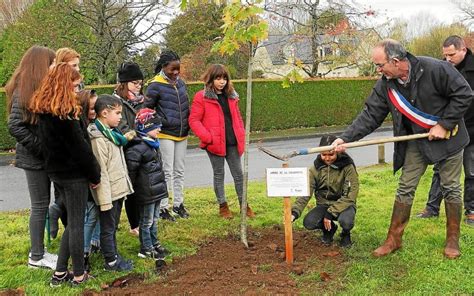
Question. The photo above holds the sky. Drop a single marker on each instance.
(444, 10)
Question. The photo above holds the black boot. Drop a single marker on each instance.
(346, 241)
(328, 236)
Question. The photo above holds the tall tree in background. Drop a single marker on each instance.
(195, 25)
(430, 43)
(467, 12)
(118, 27)
(45, 23)
(146, 60)
(11, 10)
(315, 18)
(192, 34)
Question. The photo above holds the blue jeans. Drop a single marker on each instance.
(149, 215)
(91, 227)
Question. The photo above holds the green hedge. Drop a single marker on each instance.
(310, 104)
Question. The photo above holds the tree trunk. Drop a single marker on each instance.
(314, 39)
(248, 116)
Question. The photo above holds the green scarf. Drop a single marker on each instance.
(113, 135)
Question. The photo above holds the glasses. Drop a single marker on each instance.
(380, 66)
(137, 83)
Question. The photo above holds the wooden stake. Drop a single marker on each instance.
(381, 153)
(288, 226)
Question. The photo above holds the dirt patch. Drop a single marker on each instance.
(224, 266)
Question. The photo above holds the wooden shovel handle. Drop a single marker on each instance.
(359, 144)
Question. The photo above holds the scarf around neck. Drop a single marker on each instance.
(135, 99)
(162, 74)
(153, 143)
(113, 135)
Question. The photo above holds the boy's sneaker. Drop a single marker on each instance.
(161, 250)
(153, 254)
(86, 277)
(166, 215)
(181, 211)
(118, 265)
(58, 280)
(48, 261)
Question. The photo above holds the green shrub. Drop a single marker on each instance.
(310, 104)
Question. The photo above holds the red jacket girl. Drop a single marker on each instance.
(208, 123)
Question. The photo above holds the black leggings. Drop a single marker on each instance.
(74, 193)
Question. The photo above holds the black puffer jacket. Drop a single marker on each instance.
(466, 68)
(145, 169)
(437, 88)
(67, 148)
(28, 148)
(172, 105)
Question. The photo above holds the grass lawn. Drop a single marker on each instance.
(418, 269)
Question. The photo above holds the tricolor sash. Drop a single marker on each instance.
(411, 112)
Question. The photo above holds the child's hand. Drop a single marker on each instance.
(94, 186)
(130, 135)
(327, 224)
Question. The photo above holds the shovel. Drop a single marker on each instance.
(347, 145)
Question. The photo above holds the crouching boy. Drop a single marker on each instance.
(335, 183)
(145, 169)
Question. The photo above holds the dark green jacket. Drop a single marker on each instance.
(335, 185)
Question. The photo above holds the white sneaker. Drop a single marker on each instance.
(50, 256)
(46, 262)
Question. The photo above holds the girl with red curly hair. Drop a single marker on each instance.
(69, 162)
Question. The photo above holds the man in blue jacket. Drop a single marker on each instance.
(423, 95)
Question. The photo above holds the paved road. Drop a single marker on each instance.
(14, 192)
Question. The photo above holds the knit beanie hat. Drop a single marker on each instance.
(129, 72)
(327, 140)
(147, 120)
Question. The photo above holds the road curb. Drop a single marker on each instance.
(9, 158)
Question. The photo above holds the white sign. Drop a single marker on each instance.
(287, 182)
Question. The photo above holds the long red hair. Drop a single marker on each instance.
(26, 79)
(66, 54)
(56, 94)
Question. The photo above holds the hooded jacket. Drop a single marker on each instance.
(208, 123)
(335, 185)
(436, 88)
(145, 169)
(115, 183)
